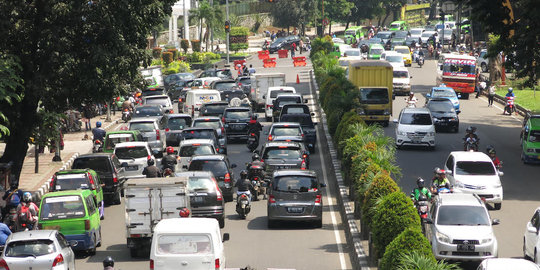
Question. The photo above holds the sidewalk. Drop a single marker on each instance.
(74, 144)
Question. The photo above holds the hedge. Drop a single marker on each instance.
(343, 131)
(393, 214)
(381, 186)
(174, 53)
(167, 58)
(196, 45)
(239, 31)
(238, 46)
(156, 53)
(184, 44)
(411, 240)
(177, 67)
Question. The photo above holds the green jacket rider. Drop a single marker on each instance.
(420, 189)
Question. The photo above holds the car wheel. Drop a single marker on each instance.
(318, 223)
(221, 222)
(498, 206)
(484, 67)
(535, 259)
(117, 197)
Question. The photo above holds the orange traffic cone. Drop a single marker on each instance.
(297, 79)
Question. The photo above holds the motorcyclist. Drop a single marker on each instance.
(256, 161)
(411, 100)
(151, 171)
(170, 160)
(440, 181)
(245, 101)
(471, 139)
(420, 190)
(510, 92)
(243, 185)
(492, 154)
(108, 263)
(12, 196)
(471, 130)
(98, 132)
(127, 104)
(27, 213)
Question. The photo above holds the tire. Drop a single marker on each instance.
(229, 198)
(117, 199)
(255, 195)
(221, 222)
(318, 223)
(497, 206)
(465, 95)
(484, 67)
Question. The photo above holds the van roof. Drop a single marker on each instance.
(204, 91)
(128, 144)
(187, 225)
(273, 88)
(370, 63)
(80, 192)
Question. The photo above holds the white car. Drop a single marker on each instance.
(271, 95)
(474, 172)
(531, 239)
(483, 61)
(162, 100)
(425, 37)
(415, 127)
(394, 58)
(460, 228)
(507, 263)
(416, 32)
(194, 147)
(136, 155)
(402, 80)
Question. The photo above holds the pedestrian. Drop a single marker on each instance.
(491, 94)
(293, 49)
(251, 70)
(273, 36)
(87, 114)
(301, 45)
(481, 87)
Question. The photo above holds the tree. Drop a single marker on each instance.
(10, 86)
(212, 17)
(71, 52)
(337, 10)
(366, 9)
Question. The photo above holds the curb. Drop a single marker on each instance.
(352, 232)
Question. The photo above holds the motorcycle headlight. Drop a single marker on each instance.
(442, 237)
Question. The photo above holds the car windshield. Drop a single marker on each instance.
(130, 152)
(98, 164)
(30, 248)
(295, 110)
(374, 40)
(287, 100)
(200, 184)
(275, 93)
(534, 136)
(71, 182)
(197, 134)
(224, 73)
(401, 74)
(350, 32)
(169, 244)
(62, 207)
(466, 67)
(443, 93)
(147, 111)
(303, 119)
(475, 168)
(286, 131)
(217, 167)
(214, 109)
(142, 126)
(196, 149)
(224, 85)
(403, 51)
(427, 34)
(401, 34)
(376, 51)
(352, 53)
(416, 32)
(237, 114)
(394, 58)
(462, 215)
(158, 100)
(246, 80)
(415, 119)
(178, 123)
(295, 184)
(186, 76)
(282, 153)
(112, 139)
(383, 35)
(209, 124)
(437, 106)
(374, 95)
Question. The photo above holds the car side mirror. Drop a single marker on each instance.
(233, 165)
(226, 237)
(496, 221)
(395, 121)
(256, 152)
(428, 95)
(531, 229)
(124, 164)
(448, 171)
(322, 185)
(501, 173)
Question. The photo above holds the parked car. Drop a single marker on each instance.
(415, 127)
(460, 228)
(48, 249)
(507, 263)
(145, 111)
(173, 124)
(194, 147)
(220, 166)
(483, 61)
(443, 113)
(530, 139)
(531, 238)
(215, 108)
(114, 137)
(237, 122)
(151, 131)
(135, 155)
(206, 198)
(110, 171)
(295, 195)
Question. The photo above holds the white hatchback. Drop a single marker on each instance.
(507, 263)
(415, 127)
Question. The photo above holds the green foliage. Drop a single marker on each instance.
(156, 62)
(293, 12)
(10, 86)
(156, 52)
(344, 130)
(393, 214)
(177, 67)
(416, 260)
(323, 44)
(410, 241)
(174, 53)
(338, 10)
(184, 44)
(257, 24)
(47, 131)
(239, 31)
(238, 46)
(167, 58)
(333, 120)
(196, 45)
(381, 186)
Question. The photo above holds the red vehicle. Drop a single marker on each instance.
(457, 71)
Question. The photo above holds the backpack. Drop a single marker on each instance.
(24, 215)
(15, 198)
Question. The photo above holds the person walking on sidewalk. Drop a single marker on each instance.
(301, 45)
(293, 49)
(87, 114)
(491, 94)
(251, 70)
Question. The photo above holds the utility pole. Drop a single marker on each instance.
(227, 19)
(211, 36)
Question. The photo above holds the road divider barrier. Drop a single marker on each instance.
(264, 54)
(269, 62)
(299, 61)
(283, 53)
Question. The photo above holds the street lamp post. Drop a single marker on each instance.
(227, 19)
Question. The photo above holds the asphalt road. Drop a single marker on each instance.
(291, 246)
(520, 182)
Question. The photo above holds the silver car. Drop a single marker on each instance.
(136, 155)
(295, 195)
(162, 100)
(194, 147)
(151, 131)
(212, 122)
(38, 250)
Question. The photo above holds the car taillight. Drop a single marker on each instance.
(180, 100)
(91, 180)
(222, 129)
(218, 193)
(252, 121)
(217, 263)
(135, 235)
(268, 106)
(272, 199)
(51, 184)
(59, 260)
(3, 265)
(223, 119)
(252, 134)
(304, 156)
(86, 224)
(256, 178)
(240, 84)
(171, 111)
(318, 199)
(262, 160)
(158, 136)
(270, 137)
(167, 130)
(227, 178)
(151, 264)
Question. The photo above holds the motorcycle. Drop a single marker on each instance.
(10, 218)
(256, 175)
(510, 108)
(420, 60)
(97, 146)
(422, 207)
(126, 115)
(252, 141)
(242, 205)
(471, 145)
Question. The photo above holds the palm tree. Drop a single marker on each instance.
(418, 262)
(212, 17)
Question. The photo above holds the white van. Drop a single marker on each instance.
(271, 95)
(195, 98)
(402, 81)
(188, 243)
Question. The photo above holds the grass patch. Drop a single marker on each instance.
(213, 61)
(525, 98)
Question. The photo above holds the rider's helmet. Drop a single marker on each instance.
(108, 262)
(490, 149)
(510, 89)
(255, 157)
(98, 124)
(27, 197)
(243, 174)
(139, 94)
(150, 162)
(420, 182)
(436, 170)
(170, 150)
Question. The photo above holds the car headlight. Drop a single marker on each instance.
(402, 133)
(530, 150)
(486, 239)
(431, 133)
(443, 237)
(497, 186)
(455, 102)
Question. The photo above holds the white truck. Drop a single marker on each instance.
(259, 87)
(153, 72)
(149, 200)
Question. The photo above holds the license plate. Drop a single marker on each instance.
(416, 141)
(132, 168)
(198, 199)
(251, 139)
(465, 247)
(227, 185)
(295, 209)
(237, 127)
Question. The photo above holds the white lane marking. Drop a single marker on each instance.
(329, 199)
(502, 110)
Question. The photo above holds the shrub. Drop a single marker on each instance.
(156, 52)
(344, 130)
(177, 67)
(414, 260)
(363, 176)
(239, 31)
(333, 120)
(195, 57)
(238, 46)
(184, 44)
(174, 53)
(393, 214)
(167, 58)
(196, 45)
(411, 240)
(323, 44)
(381, 186)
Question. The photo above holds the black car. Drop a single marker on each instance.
(229, 94)
(220, 166)
(173, 124)
(294, 108)
(310, 132)
(205, 133)
(282, 155)
(237, 122)
(170, 80)
(223, 73)
(153, 92)
(444, 114)
(110, 171)
(178, 90)
(215, 108)
(283, 99)
(206, 198)
(244, 83)
(152, 110)
(223, 85)
(283, 43)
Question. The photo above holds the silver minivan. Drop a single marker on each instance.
(295, 195)
(151, 132)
